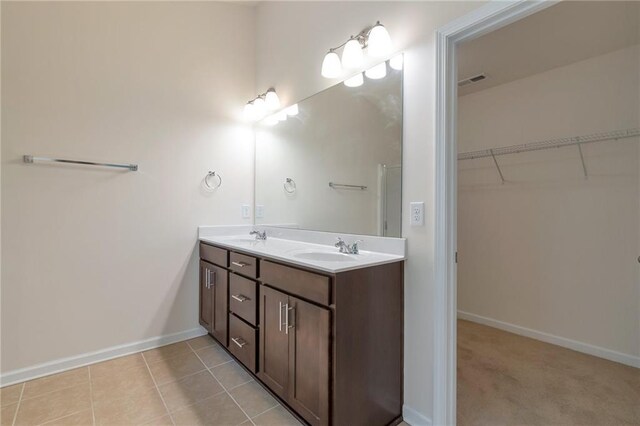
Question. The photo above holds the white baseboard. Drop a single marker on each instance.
(64, 364)
(414, 418)
(627, 359)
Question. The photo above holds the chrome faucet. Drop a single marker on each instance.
(346, 248)
(259, 235)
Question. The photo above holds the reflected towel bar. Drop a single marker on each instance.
(344, 185)
(31, 159)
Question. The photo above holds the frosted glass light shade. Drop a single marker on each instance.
(271, 100)
(331, 66)
(292, 110)
(248, 111)
(396, 62)
(379, 43)
(377, 72)
(272, 120)
(354, 81)
(352, 56)
(259, 109)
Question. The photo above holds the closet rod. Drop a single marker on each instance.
(552, 143)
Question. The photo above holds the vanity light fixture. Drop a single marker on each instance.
(262, 104)
(375, 39)
(396, 62)
(354, 81)
(292, 110)
(377, 72)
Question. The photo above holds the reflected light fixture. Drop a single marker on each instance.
(249, 112)
(354, 81)
(377, 72)
(396, 62)
(331, 66)
(262, 104)
(292, 110)
(375, 40)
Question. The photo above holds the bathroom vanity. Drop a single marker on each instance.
(323, 333)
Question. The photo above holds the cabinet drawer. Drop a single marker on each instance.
(308, 285)
(243, 294)
(213, 255)
(242, 264)
(242, 342)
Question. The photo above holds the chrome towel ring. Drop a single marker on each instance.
(207, 180)
(289, 185)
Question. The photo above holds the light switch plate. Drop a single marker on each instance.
(259, 211)
(246, 211)
(417, 213)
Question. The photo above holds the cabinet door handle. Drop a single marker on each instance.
(212, 283)
(239, 341)
(286, 318)
(280, 316)
(239, 297)
(240, 264)
(207, 278)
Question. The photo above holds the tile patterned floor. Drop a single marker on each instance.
(188, 383)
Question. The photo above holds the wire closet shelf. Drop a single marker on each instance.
(548, 144)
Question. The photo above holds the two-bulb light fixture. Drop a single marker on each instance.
(377, 44)
(266, 107)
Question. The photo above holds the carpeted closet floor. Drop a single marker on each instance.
(506, 379)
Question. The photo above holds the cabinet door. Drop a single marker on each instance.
(219, 283)
(206, 315)
(273, 366)
(309, 349)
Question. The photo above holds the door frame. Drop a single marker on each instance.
(490, 17)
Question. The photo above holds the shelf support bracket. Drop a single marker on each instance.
(497, 165)
(584, 166)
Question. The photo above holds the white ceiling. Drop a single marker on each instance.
(568, 32)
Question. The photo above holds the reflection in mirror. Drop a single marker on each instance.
(337, 164)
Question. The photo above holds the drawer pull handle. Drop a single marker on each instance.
(240, 264)
(239, 341)
(239, 297)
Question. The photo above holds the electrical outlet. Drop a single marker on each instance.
(246, 211)
(259, 211)
(417, 213)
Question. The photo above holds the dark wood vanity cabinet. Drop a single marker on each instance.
(214, 299)
(328, 345)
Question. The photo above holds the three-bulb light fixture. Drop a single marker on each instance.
(266, 107)
(377, 44)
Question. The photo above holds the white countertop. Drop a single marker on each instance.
(308, 254)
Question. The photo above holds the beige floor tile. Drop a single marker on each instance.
(175, 368)
(202, 342)
(55, 382)
(83, 418)
(144, 406)
(114, 365)
(54, 405)
(121, 383)
(166, 352)
(278, 416)
(231, 375)
(189, 390)
(7, 414)
(10, 394)
(252, 398)
(217, 410)
(213, 355)
(162, 421)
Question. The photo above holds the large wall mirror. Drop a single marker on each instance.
(337, 164)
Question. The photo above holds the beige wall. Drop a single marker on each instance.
(95, 258)
(292, 40)
(548, 250)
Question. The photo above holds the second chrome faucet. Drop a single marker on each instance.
(346, 248)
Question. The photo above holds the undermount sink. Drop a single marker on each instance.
(325, 256)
